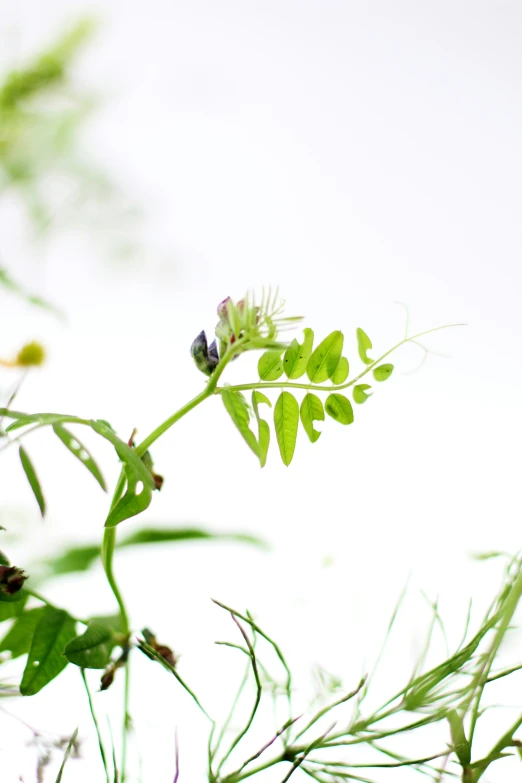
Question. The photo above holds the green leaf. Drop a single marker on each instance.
(270, 366)
(262, 426)
(311, 410)
(37, 418)
(297, 355)
(364, 344)
(46, 659)
(140, 484)
(10, 609)
(341, 372)
(286, 420)
(339, 408)
(78, 558)
(150, 535)
(18, 639)
(324, 360)
(4, 560)
(383, 372)
(359, 393)
(91, 650)
(80, 452)
(32, 479)
(237, 409)
(20, 595)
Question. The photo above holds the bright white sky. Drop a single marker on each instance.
(354, 154)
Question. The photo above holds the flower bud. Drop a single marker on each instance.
(11, 579)
(205, 358)
(31, 355)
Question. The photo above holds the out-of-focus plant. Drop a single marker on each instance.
(326, 742)
(42, 114)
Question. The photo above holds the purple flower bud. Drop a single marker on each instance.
(213, 355)
(206, 358)
(222, 307)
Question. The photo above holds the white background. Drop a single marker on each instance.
(354, 154)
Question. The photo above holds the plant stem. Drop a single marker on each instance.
(340, 387)
(126, 721)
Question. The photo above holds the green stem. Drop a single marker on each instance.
(479, 681)
(340, 387)
(126, 721)
(96, 726)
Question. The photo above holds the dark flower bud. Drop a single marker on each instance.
(11, 579)
(107, 678)
(205, 358)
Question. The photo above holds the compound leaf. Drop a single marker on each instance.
(364, 344)
(311, 410)
(286, 420)
(270, 366)
(339, 408)
(237, 409)
(383, 372)
(32, 478)
(71, 442)
(324, 360)
(297, 355)
(46, 659)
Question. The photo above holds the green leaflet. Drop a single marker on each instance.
(341, 371)
(77, 559)
(150, 535)
(311, 410)
(237, 409)
(339, 408)
(364, 344)
(383, 372)
(10, 609)
(359, 393)
(296, 355)
(46, 659)
(80, 452)
(91, 650)
(18, 640)
(270, 366)
(140, 484)
(263, 428)
(32, 479)
(324, 360)
(38, 418)
(286, 420)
